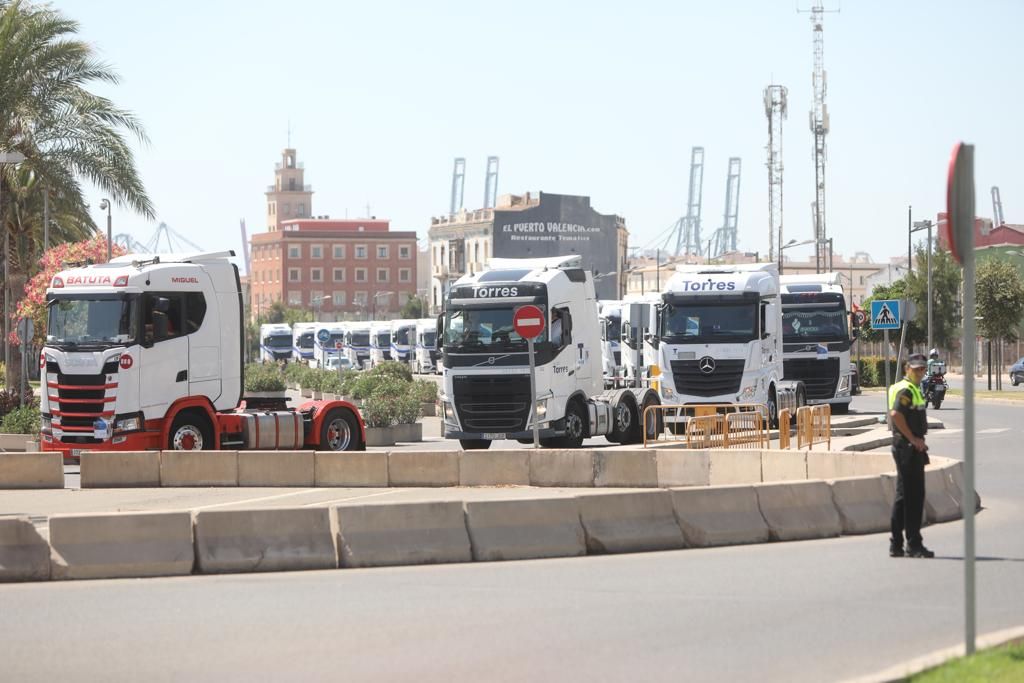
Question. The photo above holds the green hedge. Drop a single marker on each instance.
(24, 420)
(872, 371)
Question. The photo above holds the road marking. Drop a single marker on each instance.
(339, 500)
(254, 500)
(994, 430)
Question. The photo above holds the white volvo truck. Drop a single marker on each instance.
(275, 342)
(816, 337)
(403, 340)
(638, 316)
(146, 353)
(486, 387)
(357, 344)
(719, 339)
(302, 341)
(610, 315)
(380, 342)
(329, 342)
(426, 347)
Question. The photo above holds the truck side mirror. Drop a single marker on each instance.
(439, 335)
(566, 327)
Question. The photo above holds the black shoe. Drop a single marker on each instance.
(895, 550)
(920, 551)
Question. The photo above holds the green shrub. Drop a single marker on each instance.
(407, 409)
(425, 390)
(24, 420)
(872, 371)
(260, 377)
(379, 411)
(392, 368)
(331, 383)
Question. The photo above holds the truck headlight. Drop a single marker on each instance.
(844, 383)
(747, 394)
(666, 392)
(47, 423)
(542, 409)
(128, 424)
(449, 411)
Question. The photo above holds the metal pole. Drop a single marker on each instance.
(930, 286)
(657, 263)
(110, 235)
(533, 394)
(24, 371)
(886, 342)
(910, 251)
(990, 365)
(967, 499)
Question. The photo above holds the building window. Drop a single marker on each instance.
(294, 251)
(360, 274)
(316, 298)
(404, 275)
(382, 275)
(339, 251)
(294, 298)
(316, 251)
(338, 297)
(294, 275)
(316, 274)
(360, 251)
(339, 275)
(302, 210)
(405, 252)
(359, 298)
(382, 251)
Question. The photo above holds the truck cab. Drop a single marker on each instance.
(718, 338)
(380, 342)
(403, 340)
(426, 346)
(329, 341)
(302, 341)
(610, 316)
(487, 392)
(275, 342)
(357, 343)
(816, 337)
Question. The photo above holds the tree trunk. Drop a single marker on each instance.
(15, 291)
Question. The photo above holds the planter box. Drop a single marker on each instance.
(306, 392)
(264, 394)
(428, 409)
(380, 436)
(317, 395)
(16, 442)
(408, 432)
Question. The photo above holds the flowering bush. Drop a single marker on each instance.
(33, 304)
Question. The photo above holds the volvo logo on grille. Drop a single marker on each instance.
(706, 365)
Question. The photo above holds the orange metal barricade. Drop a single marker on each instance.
(721, 425)
(814, 425)
(784, 425)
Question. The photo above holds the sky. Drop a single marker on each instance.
(602, 98)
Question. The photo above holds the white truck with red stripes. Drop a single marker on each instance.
(146, 353)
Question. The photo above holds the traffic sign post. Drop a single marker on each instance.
(885, 315)
(959, 231)
(528, 322)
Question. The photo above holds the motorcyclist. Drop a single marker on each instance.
(933, 358)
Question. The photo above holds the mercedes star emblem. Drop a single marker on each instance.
(706, 365)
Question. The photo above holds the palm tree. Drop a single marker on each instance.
(67, 134)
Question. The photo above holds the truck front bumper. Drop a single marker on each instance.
(132, 441)
(544, 432)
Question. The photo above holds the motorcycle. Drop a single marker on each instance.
(934, 385)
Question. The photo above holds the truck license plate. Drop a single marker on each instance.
(76, 452)
(495, 437)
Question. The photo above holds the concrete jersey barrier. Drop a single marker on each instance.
(525, 529)
(724, 515)
(120, 469)
(629, 522)
(862, 505)
(198, 468)
(24, 553)
(799, 510)
(378, 535)
(32, 470)
(276, 539)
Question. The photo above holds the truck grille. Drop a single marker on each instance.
(433, 356)
(725, 379)
(618, 358)
(492, 404)
(386, 353)
(77, 400)
(820, 377)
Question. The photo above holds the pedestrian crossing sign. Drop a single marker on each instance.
(885, 314)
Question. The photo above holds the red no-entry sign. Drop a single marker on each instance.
(528, 322)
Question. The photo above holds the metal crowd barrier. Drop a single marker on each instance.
(814, 425)
(713, 425)
(785, 418)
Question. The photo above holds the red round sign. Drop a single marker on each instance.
(126, 361)
(337, 344)
(528, 321)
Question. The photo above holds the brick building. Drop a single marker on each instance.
(342, 269)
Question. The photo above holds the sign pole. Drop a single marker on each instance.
(887, 355)
(533, 394)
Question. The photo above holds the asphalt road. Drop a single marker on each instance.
(808, 611)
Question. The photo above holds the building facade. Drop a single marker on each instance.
(348, 269)
(527, 226)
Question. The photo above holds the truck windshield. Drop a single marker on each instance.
(429, 338)
(360, 339)
(92, 321)
(710, 322)
(613, 328)
(402, 335)
(383, 339)
(278, 341)
(822, 321)
(306, 340)
(483, 330)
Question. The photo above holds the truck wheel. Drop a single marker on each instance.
(575, 425)
(339, 431)
(623, 422)
(936, 402)
(657, 422)
(190, 431)
(475, 444)
(773, 409)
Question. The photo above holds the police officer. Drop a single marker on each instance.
(909, 425)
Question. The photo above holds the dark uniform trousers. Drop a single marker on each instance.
(909, 504)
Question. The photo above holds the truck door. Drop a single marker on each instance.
(204, 368)
(163, 374)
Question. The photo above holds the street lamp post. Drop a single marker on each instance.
(317, 301)
(787, 245)
(7, 158)
(927, 225)
(829, 240)
(374, 308)
(105, 206)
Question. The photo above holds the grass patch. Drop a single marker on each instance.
(997, 665)
(1012, 394)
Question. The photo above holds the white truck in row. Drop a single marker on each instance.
(275, 342)
(486, 394)
(147, 353)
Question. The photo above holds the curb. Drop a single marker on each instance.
(902, 671)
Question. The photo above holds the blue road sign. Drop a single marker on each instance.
(885, 314)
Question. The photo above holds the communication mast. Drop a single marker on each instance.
(458, 185)
(686, 231)
(775, 109)
(997, 208)
(491, 186)
(819, 127)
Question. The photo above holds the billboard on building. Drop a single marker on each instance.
(560, 225)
